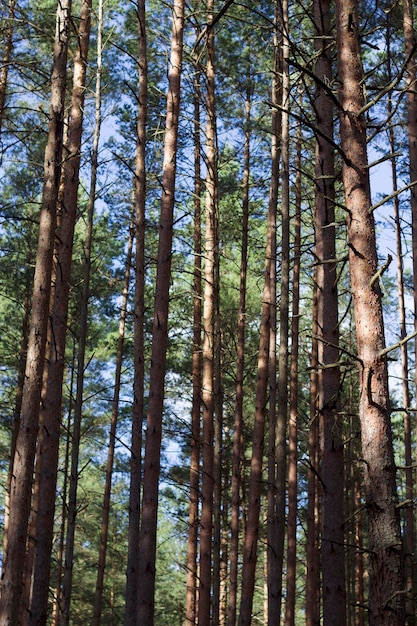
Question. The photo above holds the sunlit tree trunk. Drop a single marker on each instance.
(52, 401)
(210, 253)
(21, 486)
(138, 326)
(7, 55)
(387, 585)
(152, 458)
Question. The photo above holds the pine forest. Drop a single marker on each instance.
(208, 312)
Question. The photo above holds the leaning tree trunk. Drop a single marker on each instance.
(386, 587)
(21, 486)
(152, 459)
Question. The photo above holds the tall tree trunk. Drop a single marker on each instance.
(409, 532)
(331, 444)
(272, 530)
(386, 587)
(192, 543)
(251, 535)
(240, 371)
(52, 401)
(207, 487)
(282, 384)
(152, 460)
(293, 421)
(21, 487)
(138, 326)
(82, 342)
(7, 55)
(104, 532)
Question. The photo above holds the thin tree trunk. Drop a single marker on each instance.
(272, 530)
(138, 327)
(104, 532)
(293, 421)
(207, 487)
(282, 384)
(7, 55)
(82, 342)
(387, 585)
(240, 371)
(192, 543)
(312, 547)
(331, 445)
(52, 401)
(21, 487)
(152, 460)
(250, 547)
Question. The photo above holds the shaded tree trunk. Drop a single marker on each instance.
(138, 327)
(104, 532)
(21, 486)
(82, 342)
(7, 55)
(293, 421)
(331, 444)
(386, 591)
(152, 459)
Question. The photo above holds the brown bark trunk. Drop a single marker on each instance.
(192, 543)
(331, 444)
(82, 342)
(282, 384)
(21, 487)
(152, 459)
(7, 55)
(210, 254)
(273, 583)
(387, 586)
(138, 327)
(293, 421)
(52, 403)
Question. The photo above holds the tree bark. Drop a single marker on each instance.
(386, 589)
(138, 326)
(7, 55)
(52, 402)
(82, 342)
(21, 487)
(331, 442)
(152, 459)
(193, 514)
